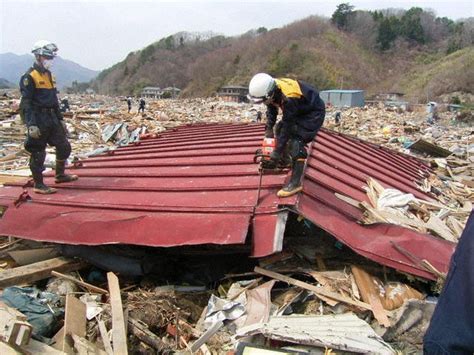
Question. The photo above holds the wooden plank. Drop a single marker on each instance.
(105, 337)
(316, 290)
(12, 179)
(370, 294)
(142, 332)
(7, 349)
(37, 347)
(85, 347)
(38, 271)
(119, 336)
(348, 200)
(74, 321)
(58, 340)
(81, 283)
(438, 227)
(206, 336)
(30, 256)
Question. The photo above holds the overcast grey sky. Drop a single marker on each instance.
(98, 34)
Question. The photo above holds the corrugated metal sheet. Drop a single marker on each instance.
(342, 164)
(341, 331)
(194, 185)
(198, 185)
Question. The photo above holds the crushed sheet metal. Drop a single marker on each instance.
(342, 332)
(268, 243)
(198, 185)
(341, 164)
(87, 226)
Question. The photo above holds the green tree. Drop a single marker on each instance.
(169, 43)
(387, 32)
(410, 26)
(341, 15)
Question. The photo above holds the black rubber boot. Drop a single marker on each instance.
(40, 187)
(60, 174)
(285, 161)
(294, 185)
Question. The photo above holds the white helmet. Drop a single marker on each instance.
(45, 48)
(261, 87)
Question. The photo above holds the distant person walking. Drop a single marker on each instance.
(129, 103)
(65, 105)
(40, 109)
(432, 112)
(141, 105)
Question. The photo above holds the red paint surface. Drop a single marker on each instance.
(198, 185)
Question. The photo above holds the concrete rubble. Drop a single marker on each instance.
(294, 300)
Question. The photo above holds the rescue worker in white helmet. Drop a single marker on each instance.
(303, 115)
(40, 110)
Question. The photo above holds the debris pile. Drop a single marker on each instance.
(315, 296)
(337, 301)
(446, 221)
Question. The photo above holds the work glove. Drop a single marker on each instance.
(269, 133)
(34, 132)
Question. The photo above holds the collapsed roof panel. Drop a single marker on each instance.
(199, 185)
(339, 164)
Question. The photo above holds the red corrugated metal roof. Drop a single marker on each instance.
(341, 164)
(198, 185)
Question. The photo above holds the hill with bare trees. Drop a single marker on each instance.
(394, 50)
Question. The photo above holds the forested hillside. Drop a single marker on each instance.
(393, 50)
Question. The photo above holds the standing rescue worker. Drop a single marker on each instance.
(40, 108)
(303, 115)
(129, 103)
(141, 105)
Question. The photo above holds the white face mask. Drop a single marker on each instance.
(47, 63)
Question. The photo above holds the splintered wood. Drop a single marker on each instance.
(437, 218)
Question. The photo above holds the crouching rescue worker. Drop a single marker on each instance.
(303, 115)
(40, 109)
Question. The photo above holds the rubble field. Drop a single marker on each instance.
(315, 297)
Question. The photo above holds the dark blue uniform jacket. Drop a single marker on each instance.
(303, 112)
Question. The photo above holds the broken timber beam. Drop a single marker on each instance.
(119, 334)
(38, 271)
(86, 285)
(142, 332)
(316, 290)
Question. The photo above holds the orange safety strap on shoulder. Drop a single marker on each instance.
(42, 80)
(289, 87)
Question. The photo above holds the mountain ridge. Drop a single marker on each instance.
(13, 66)
(314, 50)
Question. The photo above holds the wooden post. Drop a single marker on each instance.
(119, 336)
